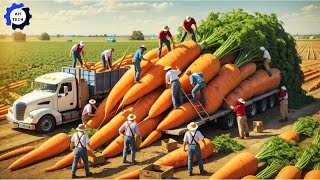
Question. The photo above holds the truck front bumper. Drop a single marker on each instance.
(19, 124)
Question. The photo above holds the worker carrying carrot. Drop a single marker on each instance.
(266, 60)
(163, 39)
(187, 23)
(77, 52)
(87, 111)
(137, 57)
(172, 77)
(106, 58)
(240, 110)
(192, 138)
(283, 97)
(196, 80)
(129, 129)
(80, 141)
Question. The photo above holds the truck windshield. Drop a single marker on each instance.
(45, 87)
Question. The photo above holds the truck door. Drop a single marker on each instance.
(65, 101)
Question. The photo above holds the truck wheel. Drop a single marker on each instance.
(46, 124)
(271, 101)
(227, 121)
(251, 110)
(262, 105)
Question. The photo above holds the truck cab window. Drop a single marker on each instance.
(65, 84)
(45, 87)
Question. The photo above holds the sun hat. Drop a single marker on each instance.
(131, 117)
(143, 46)
(167, 68)
(192, 126)
(81, 127)
(188, 18)
(92, 101)
(262, 48)
(241, 101)
(283, 88)
(112, 49)
(165, 28)
(188, 72)
(81, 43)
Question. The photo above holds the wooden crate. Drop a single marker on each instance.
(153, 171)
(257, 126)
(96, 158)
(169, 144)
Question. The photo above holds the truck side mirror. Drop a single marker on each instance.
(65, 90)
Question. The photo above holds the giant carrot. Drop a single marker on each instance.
(290, 135)
(152, 137)
(16, 152)
(247, 70)
(131, 175)
(314, 174)
(55, 145)
(289, 172)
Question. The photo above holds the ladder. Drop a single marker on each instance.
(197, 106)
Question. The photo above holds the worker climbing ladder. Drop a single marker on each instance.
(197, 106)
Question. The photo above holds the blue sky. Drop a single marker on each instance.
(122, 17)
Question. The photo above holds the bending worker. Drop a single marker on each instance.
(172, 76)
(163, 39)
(87, 111)
(240, 110)
(137, 57)
(129, 129)
(266, 60)
(198, 85)
(77, 52)
(187, 23)
(192, 138)
(283, 97)
(106, 58)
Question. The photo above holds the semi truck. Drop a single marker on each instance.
(58, 98)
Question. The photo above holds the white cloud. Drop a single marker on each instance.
(310, 7)
(75, 3)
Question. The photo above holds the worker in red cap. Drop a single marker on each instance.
(187, 23)
(163, 34)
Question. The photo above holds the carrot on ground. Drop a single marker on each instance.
(16, 152)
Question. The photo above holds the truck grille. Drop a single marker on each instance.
(20, 108)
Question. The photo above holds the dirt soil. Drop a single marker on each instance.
(12, 138)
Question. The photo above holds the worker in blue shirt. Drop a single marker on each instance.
(196, 79)
(138, 56)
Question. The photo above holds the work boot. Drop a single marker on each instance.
(281, 120)
(89, 174)
(247, 135)
(190, 173)
(240, 137)
(125, 161)
(137, 82)
(286, 119)
(74, 176)
(203, 172)
(134, 162)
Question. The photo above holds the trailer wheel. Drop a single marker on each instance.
(46, 124)
(262, 105)
(227, 121)
(251, 110)
(271, 101)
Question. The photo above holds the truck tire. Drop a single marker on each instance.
(227, 121)
(272, 101)
(251, 110)
(46, 124)
(262, 105)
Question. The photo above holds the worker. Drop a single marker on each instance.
(137, 57)
(283, 97)
(187, 23)
(172, 77)
(163, 39)
(87, 111)
(80, 141)
(240, 110)
(106, 58)
(198, 85)
(266, 59)
(129, 129)
(77, 52)
(192, 138)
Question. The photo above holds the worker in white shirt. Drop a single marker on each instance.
(172, 76)
(266, 59)
(192, 138)
(77, 52)
(87, 111)
(129, 129)
(81, 141)
(106, 58)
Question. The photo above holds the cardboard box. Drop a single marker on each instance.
(96, 158)
(169, 144)
(153, 171)
(257, 126)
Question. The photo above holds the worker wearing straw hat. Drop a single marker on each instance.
(87, 111)
(163, 39)
(196, 79)
(266, 60)
(81, 141)
(187, 23)
(283, 97)
(192, 138)
(240, 110)
(137, 57)
(106, 58)
(129, 129)
(172, 76)
(77, 52)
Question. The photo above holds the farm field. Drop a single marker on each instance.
(309, 50)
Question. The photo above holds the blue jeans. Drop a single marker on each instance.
(75, 56)
(194, 150)
(128, 140)
(80, 152)
(137, 70)
(199, 87)
(165, 41)
(184, 34)
(177, 98)
(104, 62)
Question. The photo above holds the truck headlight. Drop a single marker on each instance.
(31, 116)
